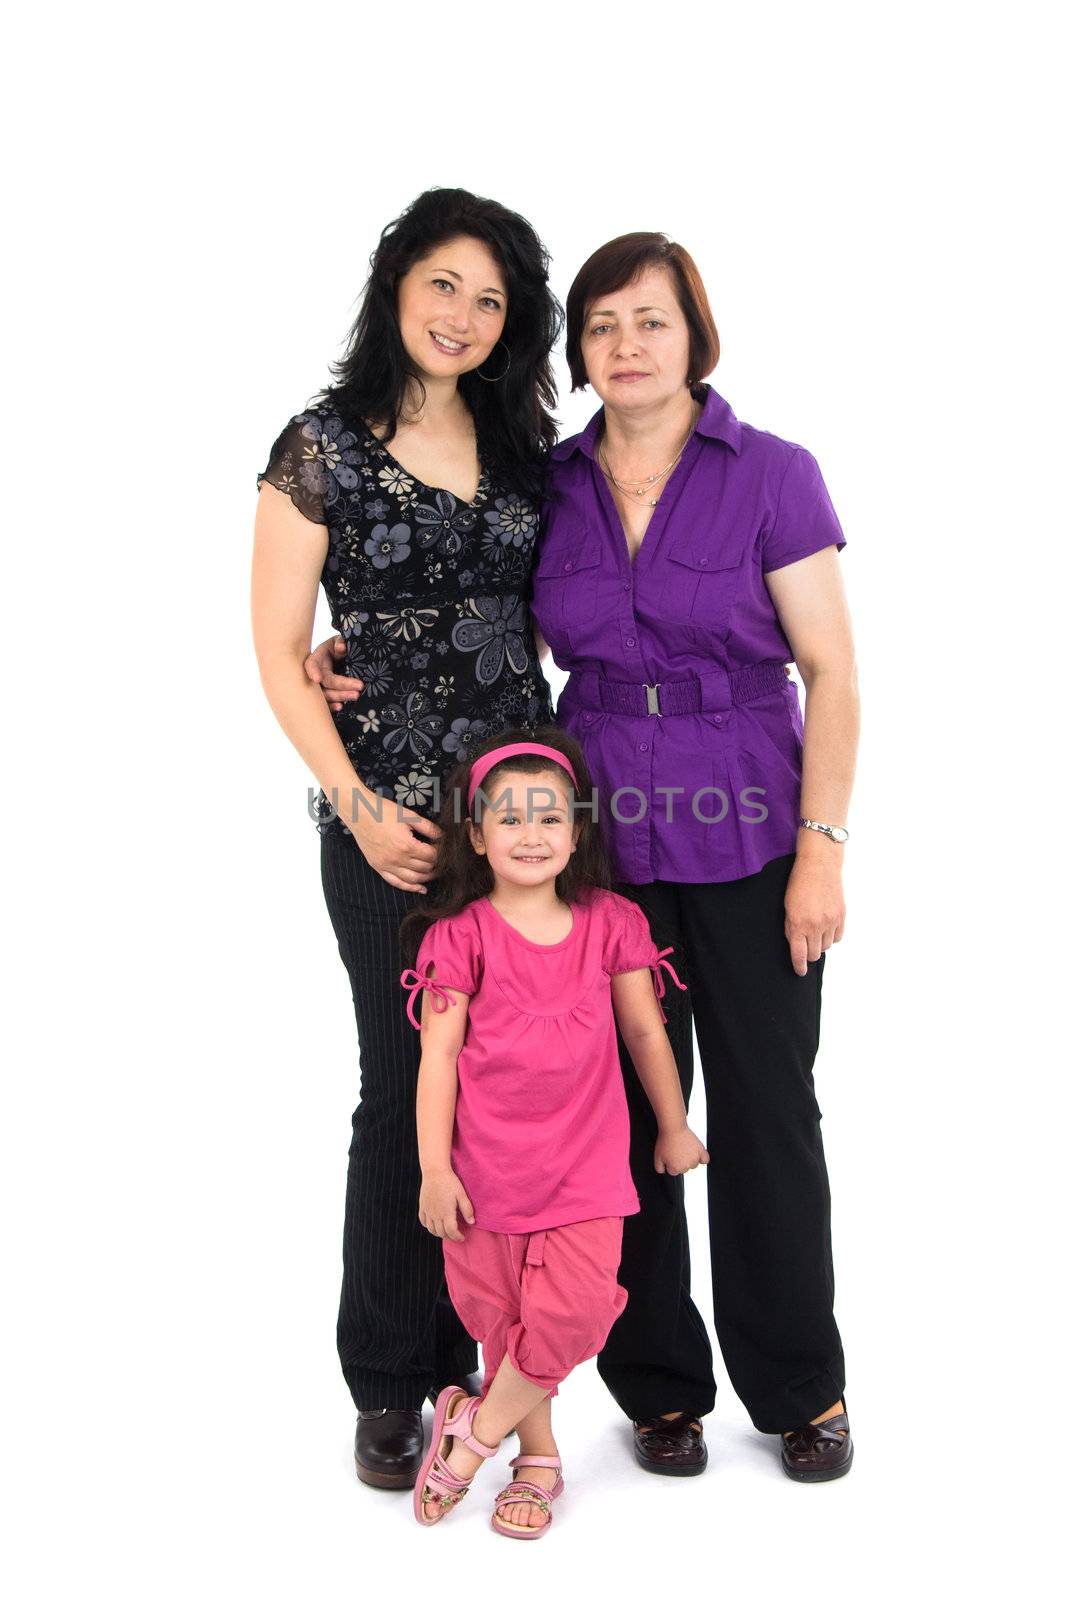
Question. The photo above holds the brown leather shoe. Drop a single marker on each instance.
(389, 1447)
(675, 1447)
(819, 1452)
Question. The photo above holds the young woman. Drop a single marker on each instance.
(409, 489)
(685, 558)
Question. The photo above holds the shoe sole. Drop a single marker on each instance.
(673, 1472)
(386, 1480)
(826, 1475)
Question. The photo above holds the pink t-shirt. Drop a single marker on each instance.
(542, 1134)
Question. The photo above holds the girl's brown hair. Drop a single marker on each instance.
(462, 874)
(617, 264)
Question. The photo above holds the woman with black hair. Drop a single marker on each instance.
(409, 489)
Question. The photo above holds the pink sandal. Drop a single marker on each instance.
(521, 1490)
(436, 1480)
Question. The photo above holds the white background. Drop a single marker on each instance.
(192, 197)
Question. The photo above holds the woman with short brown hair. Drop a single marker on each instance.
(685, 558)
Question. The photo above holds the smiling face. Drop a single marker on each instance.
(530, 839)
(635, 343)
(451, 306)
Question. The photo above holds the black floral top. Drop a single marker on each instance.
(429, 593)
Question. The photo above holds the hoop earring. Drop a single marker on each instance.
(503, 374)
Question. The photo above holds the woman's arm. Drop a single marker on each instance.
(287, 561)
(286, 564)
(637, 1012)
(809, 596)
(442, 1193)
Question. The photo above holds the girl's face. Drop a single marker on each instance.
(527, 835)
(635, 343)
(451, 307)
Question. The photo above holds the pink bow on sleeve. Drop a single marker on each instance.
(410, 979)
(658, 964)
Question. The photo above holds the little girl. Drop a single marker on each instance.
(522, 1121)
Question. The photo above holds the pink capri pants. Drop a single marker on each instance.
(548, 1299)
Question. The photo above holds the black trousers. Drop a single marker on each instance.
(397, 1331)
(757, 1028)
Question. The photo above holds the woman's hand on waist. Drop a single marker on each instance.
(398, 843)
(319, 665)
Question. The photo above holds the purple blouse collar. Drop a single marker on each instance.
(716, 421)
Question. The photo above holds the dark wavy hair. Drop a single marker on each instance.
(463, 875)
(512, 416)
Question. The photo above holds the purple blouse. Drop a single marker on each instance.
(677, 689)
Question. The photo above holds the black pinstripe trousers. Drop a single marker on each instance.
(397, 1331)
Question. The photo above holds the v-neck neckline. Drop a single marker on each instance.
(672, 489)
(430, 488)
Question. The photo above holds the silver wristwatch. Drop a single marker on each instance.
(838, 835)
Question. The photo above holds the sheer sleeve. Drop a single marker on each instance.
(629, 946)
(805, 520)
(452, 948)
(297, 467)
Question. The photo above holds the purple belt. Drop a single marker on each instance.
(678, 697)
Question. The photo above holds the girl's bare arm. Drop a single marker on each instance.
(442, 1193)
(637, 1010)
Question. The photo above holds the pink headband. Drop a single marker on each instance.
(491, 757)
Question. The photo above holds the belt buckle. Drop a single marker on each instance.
(652, 696)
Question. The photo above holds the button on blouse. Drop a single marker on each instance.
(709, 789)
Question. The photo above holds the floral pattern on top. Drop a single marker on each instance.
(429, 593)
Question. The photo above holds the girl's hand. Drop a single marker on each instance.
(679, 1150)
(335, 686)
(440, 1198)
(814, 903)
(392, 844)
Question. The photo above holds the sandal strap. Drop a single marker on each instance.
(536, 1461)
(520, 1492)
(441, 1473)
(451, 1498)
(436, 1487)
(461, 1426)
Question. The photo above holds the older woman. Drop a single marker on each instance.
(685, 558)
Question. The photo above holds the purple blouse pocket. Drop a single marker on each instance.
(566, 587)
(701, 587)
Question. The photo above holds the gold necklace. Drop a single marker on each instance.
(635, 493)
(653, 477)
